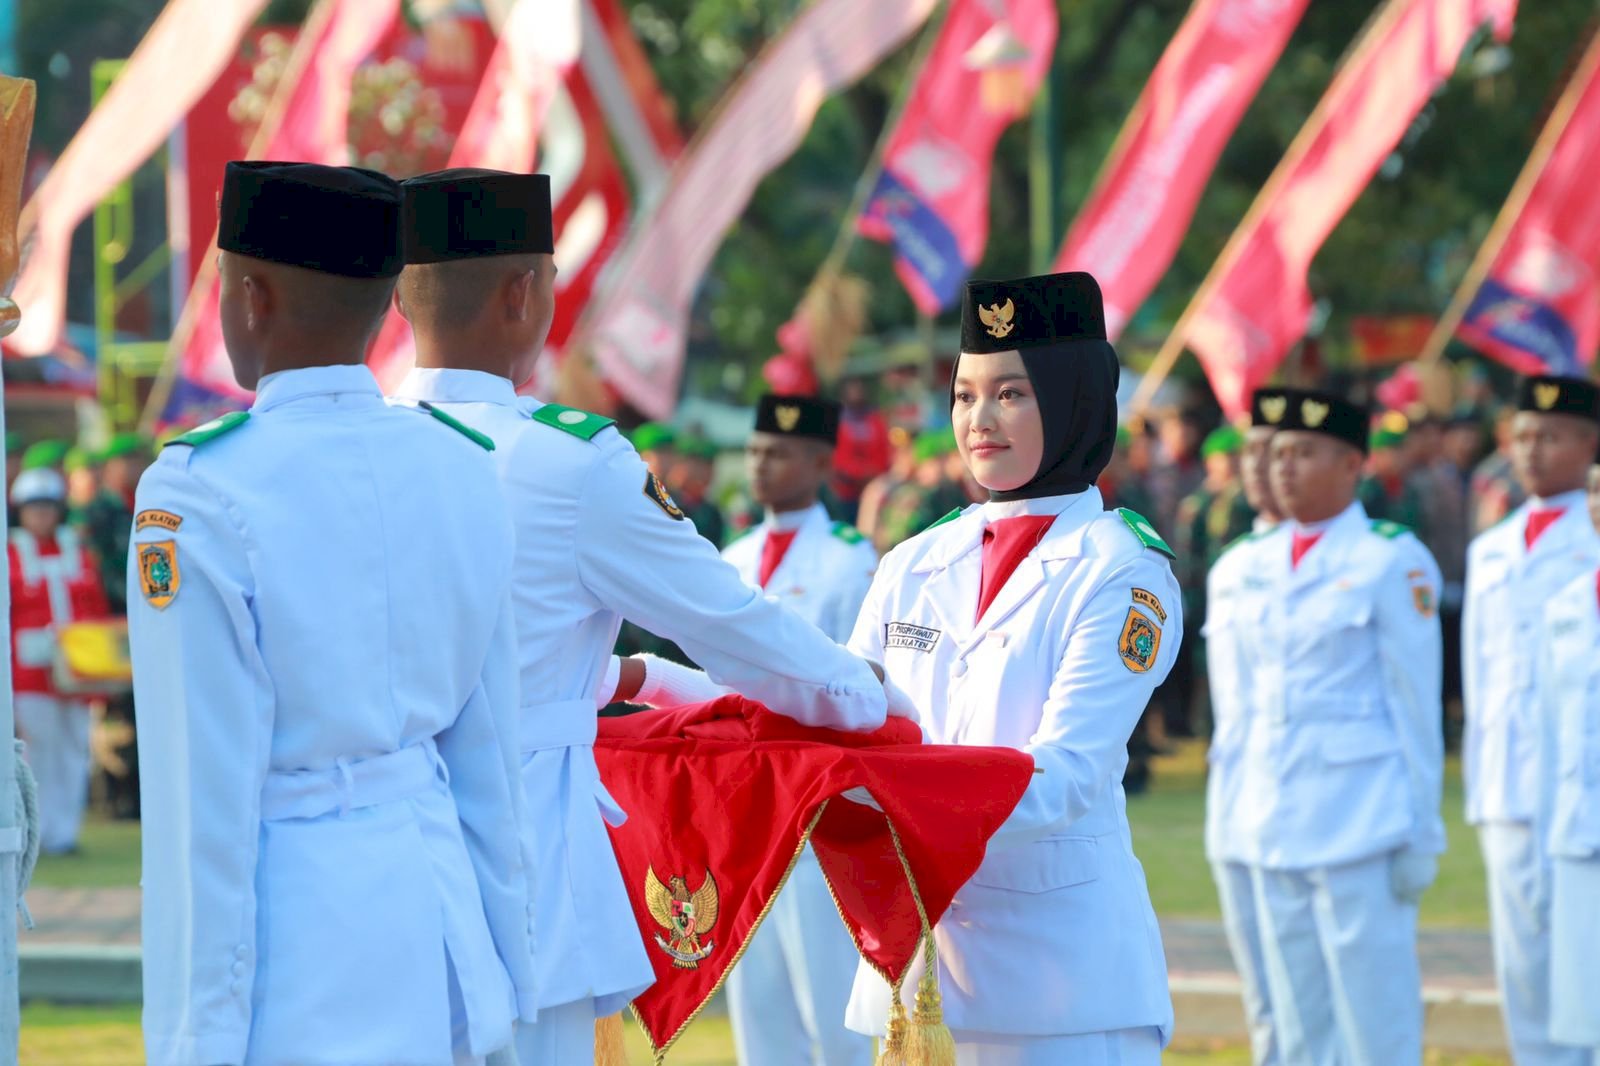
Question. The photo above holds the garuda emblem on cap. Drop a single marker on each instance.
(685, 917)
(1313, 413)
(996, 318)
(1546, 395)
(1273, 408)
(787, 415)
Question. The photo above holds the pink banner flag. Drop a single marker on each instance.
(1538, 310)
(1133, 220)
(537, 49)
(932, 197)
(187, 47)
(638, 324)
(307, 121)
(1255, 303)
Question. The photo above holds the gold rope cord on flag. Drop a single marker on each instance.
(660, 1052)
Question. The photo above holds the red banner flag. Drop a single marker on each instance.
(189, 45)
(1255, 303)
(639, 322)
(1133, 220)
(722, 797)
(932, 197)
(306, 121)
(1538, 309)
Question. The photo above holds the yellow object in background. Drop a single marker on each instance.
(94, 658)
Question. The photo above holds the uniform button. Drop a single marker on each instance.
(238, 969)
(236, 988)
(241, 952)
(959, 669)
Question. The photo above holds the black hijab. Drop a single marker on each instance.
(1056, 322)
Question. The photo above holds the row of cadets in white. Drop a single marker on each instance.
(595, 545)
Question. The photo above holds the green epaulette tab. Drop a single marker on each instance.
(951, 517)
(212, 429)
(580, 424)
(482, 440)
(848, 533)
(1387, 529)
(1145, 532)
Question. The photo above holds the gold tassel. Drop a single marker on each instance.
(928, 1039)
(608, 1046)
(892, 1052)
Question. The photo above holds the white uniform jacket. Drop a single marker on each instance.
(1508, 586)
(1054, 934)
(1568, 684)
(597, 541)
(1344, 759)
(823, 576)
(324, 663)
(1230, 702)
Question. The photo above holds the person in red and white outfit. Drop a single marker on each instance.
(54, 581)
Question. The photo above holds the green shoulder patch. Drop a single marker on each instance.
(848, 533)
(482, 440)
(580, 424)
(1387, 529)
(1145, 532)
(951, 517)
(212, 430)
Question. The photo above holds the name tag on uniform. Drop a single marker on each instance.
(906, 635)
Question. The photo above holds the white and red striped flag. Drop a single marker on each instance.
(182, 54)
(638, 325)
(1538, 308)
(1143, 200)
(307, 121)
(1255, 304)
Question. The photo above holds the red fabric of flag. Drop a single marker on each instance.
(722, 797)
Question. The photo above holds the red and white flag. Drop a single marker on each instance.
(307, 121)
(1129, 228)
(638, 324)
(1538, 309)
(931, 201)
(1255, 304)
(187, 47)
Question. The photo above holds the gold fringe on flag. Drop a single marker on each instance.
(929, 1041)
(834, 310)
(608, 1046)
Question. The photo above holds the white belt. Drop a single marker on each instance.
(352, 784)
(563, 724)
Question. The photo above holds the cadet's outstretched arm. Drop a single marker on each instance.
(205, 725)
(655, 570)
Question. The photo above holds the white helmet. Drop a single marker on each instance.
(41, 484)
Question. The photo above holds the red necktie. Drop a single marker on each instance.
(1006, 542)
(1538, 522)
(772, 552)
(1303, 542)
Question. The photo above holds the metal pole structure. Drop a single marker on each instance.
(16, 122)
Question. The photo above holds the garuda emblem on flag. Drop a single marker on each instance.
(684, 916)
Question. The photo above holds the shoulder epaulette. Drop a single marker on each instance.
(212, 430)
(1145, 532)
(580, 424)
(848, 533)
(1387, 529)
(482, 440)
(951, 517)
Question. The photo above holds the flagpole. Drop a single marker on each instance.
(1500, 232)
(1173, 347)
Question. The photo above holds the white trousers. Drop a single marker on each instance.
(787, 996)
(563, 1035)
(1237, 893)
(1574, 949)
(1521, 944)
(1342, 969)
(1121, 1047)
(57, 731)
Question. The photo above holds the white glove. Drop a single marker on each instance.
(900, 705)
(1410, 874)
(666, 684)
(860, 795)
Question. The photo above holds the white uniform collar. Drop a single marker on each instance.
(445, 385)
(789, 521)
(1041, 505)
(1263, 525)
(1565, 500)
(288, 385)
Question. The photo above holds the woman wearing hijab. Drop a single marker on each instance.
(1041, 621)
